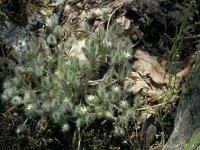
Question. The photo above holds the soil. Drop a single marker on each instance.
(152, 25)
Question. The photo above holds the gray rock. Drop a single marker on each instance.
(150, 135)
(187, 121)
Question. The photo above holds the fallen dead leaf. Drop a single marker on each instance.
(183, 73)
(137, 83)
(186, 65)
(148, 65)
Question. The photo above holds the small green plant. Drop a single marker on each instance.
(176, 50)
(48, 82)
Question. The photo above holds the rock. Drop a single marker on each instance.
(150, 135)
(187, 120)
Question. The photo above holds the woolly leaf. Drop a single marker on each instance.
(51, 39)
(119, 131)
(52, 21)
(16, 100)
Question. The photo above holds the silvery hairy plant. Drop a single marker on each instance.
(48, 82)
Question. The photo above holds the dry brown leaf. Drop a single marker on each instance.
(156, 93)
(148, 65)
(183, 73)
(186, 65)
(137, 82)
(124, 22)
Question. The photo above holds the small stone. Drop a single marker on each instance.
(150, 135)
